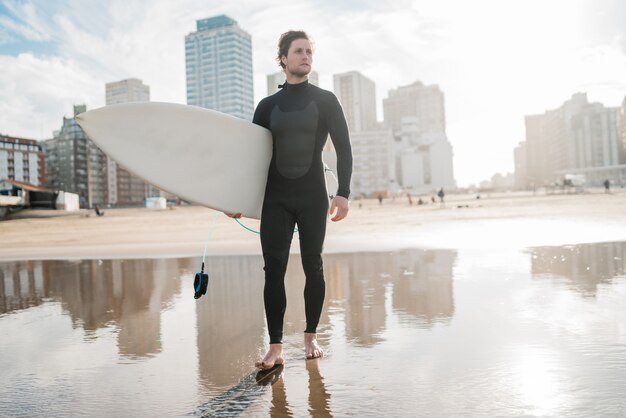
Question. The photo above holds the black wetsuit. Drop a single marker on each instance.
(300, 117)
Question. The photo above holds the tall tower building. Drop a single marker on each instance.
(273, 80)
(125, 188)
(424, 102)
(357, 95)
(218, 59)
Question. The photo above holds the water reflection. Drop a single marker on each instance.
(585, 266)
(523, 342)
(21, 286)
(280, 407)
(420, 282)
(96, 294)
(319, 397)
(230, 319)
(356, 283)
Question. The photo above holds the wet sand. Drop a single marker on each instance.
(512, 220)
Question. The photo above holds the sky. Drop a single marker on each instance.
(495, 61)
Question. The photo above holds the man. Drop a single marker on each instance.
(300, 116)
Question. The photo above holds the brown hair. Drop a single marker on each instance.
(285, 42)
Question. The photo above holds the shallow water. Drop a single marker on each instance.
(534, 332)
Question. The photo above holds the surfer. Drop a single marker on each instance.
(300, 117)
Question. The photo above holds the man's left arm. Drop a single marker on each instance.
(339, 134)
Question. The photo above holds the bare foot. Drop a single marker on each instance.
(273, 357)
(311, 347)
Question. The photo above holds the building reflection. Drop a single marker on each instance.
(357, 285)
(95, 294)
(230, 319)
(419, 283)
(423, 288)
(362, 291)
(585, 266)
(21, 285)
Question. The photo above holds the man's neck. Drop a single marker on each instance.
(293, 79)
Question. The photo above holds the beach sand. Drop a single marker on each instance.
(506, 219)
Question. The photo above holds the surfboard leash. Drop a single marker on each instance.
(201, 280)
(252, 230)
(326, 169)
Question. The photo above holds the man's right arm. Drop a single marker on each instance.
(261, 114)
(261, 118)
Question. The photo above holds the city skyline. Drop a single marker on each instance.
(493, 70)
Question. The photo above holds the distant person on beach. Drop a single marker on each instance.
(607, 186)
(410, 199)
(380, 198)
(300, 117)
(441, 194)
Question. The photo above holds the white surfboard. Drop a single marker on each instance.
(200, 155)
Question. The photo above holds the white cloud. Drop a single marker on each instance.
(29, 25)
(40, 92)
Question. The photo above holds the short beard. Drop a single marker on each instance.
(298, 73)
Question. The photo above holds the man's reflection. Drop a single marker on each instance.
(280, 406)
(319, 398)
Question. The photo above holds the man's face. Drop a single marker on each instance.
(299, 58)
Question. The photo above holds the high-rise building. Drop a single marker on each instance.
(424, 102)
(596, 141)
(218, 59)
(423, 154)
(357, 95)
(21, 160)
(126, 91)
(622, 129)
(275, 79)
(123, 187)
(75, 164)
(373, 162)
(423, 160)
(519, 154)
(578, 138)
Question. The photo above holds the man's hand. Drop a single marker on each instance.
(233, 215)
(341, 206)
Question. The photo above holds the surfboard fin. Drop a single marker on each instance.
(200, 283)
